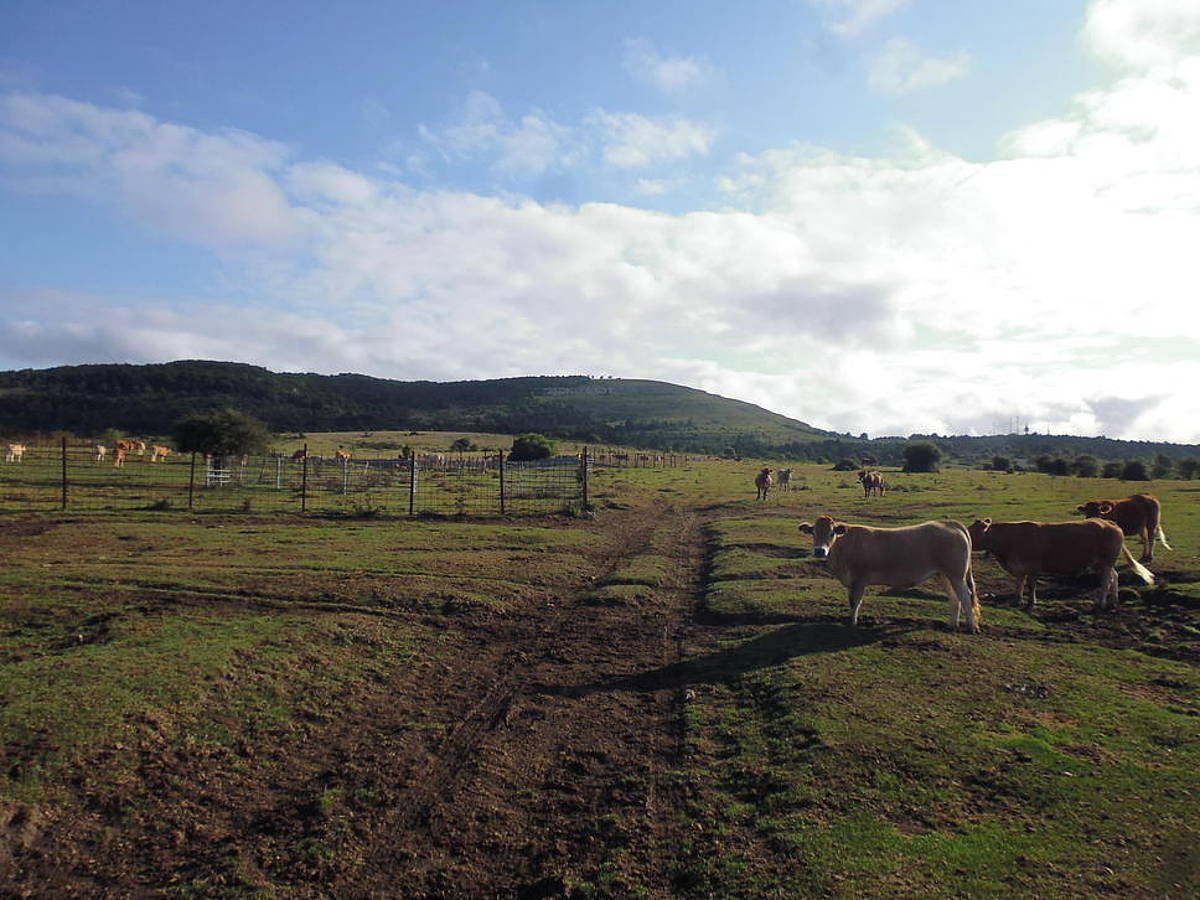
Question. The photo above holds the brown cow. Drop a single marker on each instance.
(763, 482)
(158, 453)
(1140, 514)
(785, 479)
(342, 456)
(871, 482)
(860, 556)
(1026, 549)
(300, 454)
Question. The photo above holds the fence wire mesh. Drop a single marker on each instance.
(427, 484)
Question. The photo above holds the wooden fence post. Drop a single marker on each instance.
(412, 480)
(304, 481)
(584, 465)
(64, 472)
(192, 482)
(502, 497)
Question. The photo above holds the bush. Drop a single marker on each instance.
(845, 465)
(1134, 470)
(1111, 470)
(923, 457)
(1085, 466)
(531, 446)
(1001, 464)
(1187, 468)
(1163, 467)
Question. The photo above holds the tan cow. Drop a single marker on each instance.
(872, 482)
(101, 452)
(763, 482)
(140, 447)
(785, 479)
(1026, 549)
(342, 456)
(119, 455)
(159, 453)
(1140, 514)
(860, 556)
(15, 453)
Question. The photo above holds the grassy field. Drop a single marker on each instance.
(659, 699)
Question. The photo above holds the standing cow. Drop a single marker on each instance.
(1140, 514)
(1027, 549)
(785, 479)
(763, 482)
(860, 556)
(872, 482)
(14, 453)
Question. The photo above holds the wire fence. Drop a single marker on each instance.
(82, 477)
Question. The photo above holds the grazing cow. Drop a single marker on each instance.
(872, 482)
(119, 456)
(140, 447)
(860, 556)
(342, 456)
(300, 454)
(1140, 514)
(1026, 549)
(763, 482)
(785, 479)
(101, 452)
(159, 453)
(15, 453)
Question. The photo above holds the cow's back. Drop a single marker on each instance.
(901, 557)
(1058, 547)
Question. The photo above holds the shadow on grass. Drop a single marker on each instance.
(770, 649)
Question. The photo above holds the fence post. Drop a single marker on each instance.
(192, 481)
(345, 476)
(584, 465)
(64, 472)
(502, 497)
(304, 481)
(412, 479)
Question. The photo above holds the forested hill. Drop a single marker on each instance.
(148, 399)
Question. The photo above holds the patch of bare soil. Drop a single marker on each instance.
(485, 770)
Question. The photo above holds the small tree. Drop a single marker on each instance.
(844, 465)
(1111, 470)
(1001, 464)
(1134, 470)
(1163, 467)
(923, 457)
(462, 445)
(1085, 466)
(531, 446)
(225, 432)
(1188, 468)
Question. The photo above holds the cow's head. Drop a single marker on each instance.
(981, 534)
(1095, 509)
(862, 474)
(824, 532)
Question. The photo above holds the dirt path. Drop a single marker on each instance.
(530, 756)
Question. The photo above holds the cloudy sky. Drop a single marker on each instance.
(874, 215)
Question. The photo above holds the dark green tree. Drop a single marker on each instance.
(1085, 466)
(1001, 464)
(462, 445)
(1188, 468)
(1111, 470)
(1163, 467)
(922, 457)
(225, 432)
(1134, 470)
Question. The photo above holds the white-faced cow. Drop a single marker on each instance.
(860, 556)
(1140, 514)
(763, 482)
(785, 479)
(1027, 549)
(101, 452)
(14, 453)
(872, 482)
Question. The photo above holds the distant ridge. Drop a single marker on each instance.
(148, 399)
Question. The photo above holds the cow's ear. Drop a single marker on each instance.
(986, 523)
(1082, 507)
(839, 528)
(806, 527)
(1105, 508)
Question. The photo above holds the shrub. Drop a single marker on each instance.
(845, 465)
(1134, 470)
(1001, 464)
(531, 446)
(923, 457)
(1085, 466)
(225, 432)
(1188, 468)
(1163, 467)
(1111, 470)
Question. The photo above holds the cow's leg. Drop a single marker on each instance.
(1031, 583)
(856, 598)
(955, 602)
(966, 601)
(1109, 590)
(1147, 544)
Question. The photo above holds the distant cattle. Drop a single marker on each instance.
(342, 456)
(119, 455)
(785, 479)
(159, 453)
(1027, 549)
(300, 454)
(763, 482)
(100, 451)
(1140, 514)
(860, 556)
(15, 453)
(872, 482)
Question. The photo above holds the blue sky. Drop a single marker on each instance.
(971, 211)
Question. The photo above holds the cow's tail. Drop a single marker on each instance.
(1141, 571)
(1161, 537)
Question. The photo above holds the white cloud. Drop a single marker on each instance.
(901, 67)
(669, 74)
(1144, 33)
(632, 141)
(850, 18)
(914, 291)
(533, 145)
